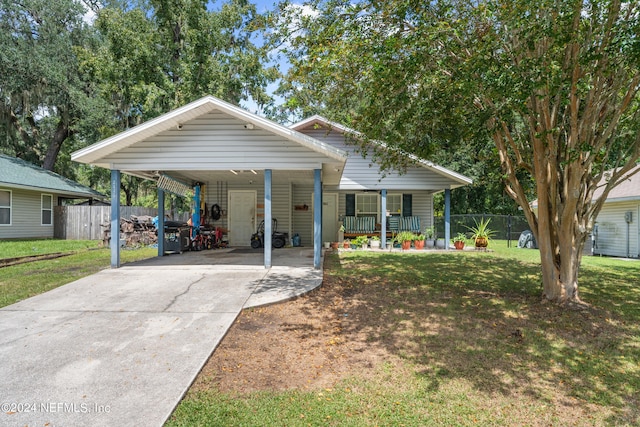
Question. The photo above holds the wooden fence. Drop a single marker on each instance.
(85, 222)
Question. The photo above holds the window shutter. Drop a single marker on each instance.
(407, 200)
(350, 208)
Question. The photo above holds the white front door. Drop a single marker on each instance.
(242, 217)
(329, 217)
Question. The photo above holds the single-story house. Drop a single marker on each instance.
(251, 169)
(617, 228)
(356, 202)
(28, 194)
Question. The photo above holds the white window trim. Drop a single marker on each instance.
(42, 209)
(10, 208)
(395, 194)
(376, 213)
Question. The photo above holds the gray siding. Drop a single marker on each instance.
(303, 220)
(612, 235)
(204, 144)
(422, 205)
(217, 193)
(361, 173)
(26, 216)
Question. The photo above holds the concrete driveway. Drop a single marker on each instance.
(122, 346)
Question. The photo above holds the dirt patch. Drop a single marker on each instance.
(299, 344)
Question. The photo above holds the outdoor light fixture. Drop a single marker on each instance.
(248, 126)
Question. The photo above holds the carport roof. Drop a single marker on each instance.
(94, 153)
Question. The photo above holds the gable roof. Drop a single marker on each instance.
(319, 120)
(175, 118)
(18, 173)
(629, 189)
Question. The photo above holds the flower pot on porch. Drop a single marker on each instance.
(406, 245)
(430, 243)
(334, 245)
(458, 245)
(419, 244)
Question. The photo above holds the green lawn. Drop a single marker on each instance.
(21, 281)
(20, 248)
(471, 343)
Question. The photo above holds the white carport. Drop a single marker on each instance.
(210, 140)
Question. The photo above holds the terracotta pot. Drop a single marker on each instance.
(346, 245)
(334, 245)
(482, 242)
(458, 245)
(406, 245)
(419, 244)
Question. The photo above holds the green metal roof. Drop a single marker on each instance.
(17, 173)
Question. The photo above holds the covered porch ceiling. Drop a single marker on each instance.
(238, 177)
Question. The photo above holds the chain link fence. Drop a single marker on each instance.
(507, 227)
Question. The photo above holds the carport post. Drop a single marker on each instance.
(317, 217)
(115, 218)
(447, 217)
(268, 229)
(160, 222)
(383, 219)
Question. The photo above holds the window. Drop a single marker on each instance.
(367, 204)
(394, 204)
(5, 207)
(47, 209)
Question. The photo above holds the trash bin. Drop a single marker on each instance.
(176, 239)
(295, 240)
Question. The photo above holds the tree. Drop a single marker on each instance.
(554, 84)
(45, 100)
(159, 55)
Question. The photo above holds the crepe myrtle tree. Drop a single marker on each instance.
(552, 84)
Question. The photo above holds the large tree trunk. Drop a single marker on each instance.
(60, 135)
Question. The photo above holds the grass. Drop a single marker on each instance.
(470, 343)
(20, 248)
(22, 281)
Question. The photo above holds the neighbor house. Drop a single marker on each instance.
(617, 231)
(28, 195)
(245, 168)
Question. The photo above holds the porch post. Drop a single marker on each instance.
(317, 217)
(268, 229)
(115, 218)
(447, 217)
(383, 219)
(160, 222)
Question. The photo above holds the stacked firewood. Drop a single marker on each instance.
(135, 231)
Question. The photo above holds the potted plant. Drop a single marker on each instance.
(481, 233)
(418, 242)
(361, 242)
(429, 236)
(346, 244)
(459, 240)
(405, 238)
(375, 242)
